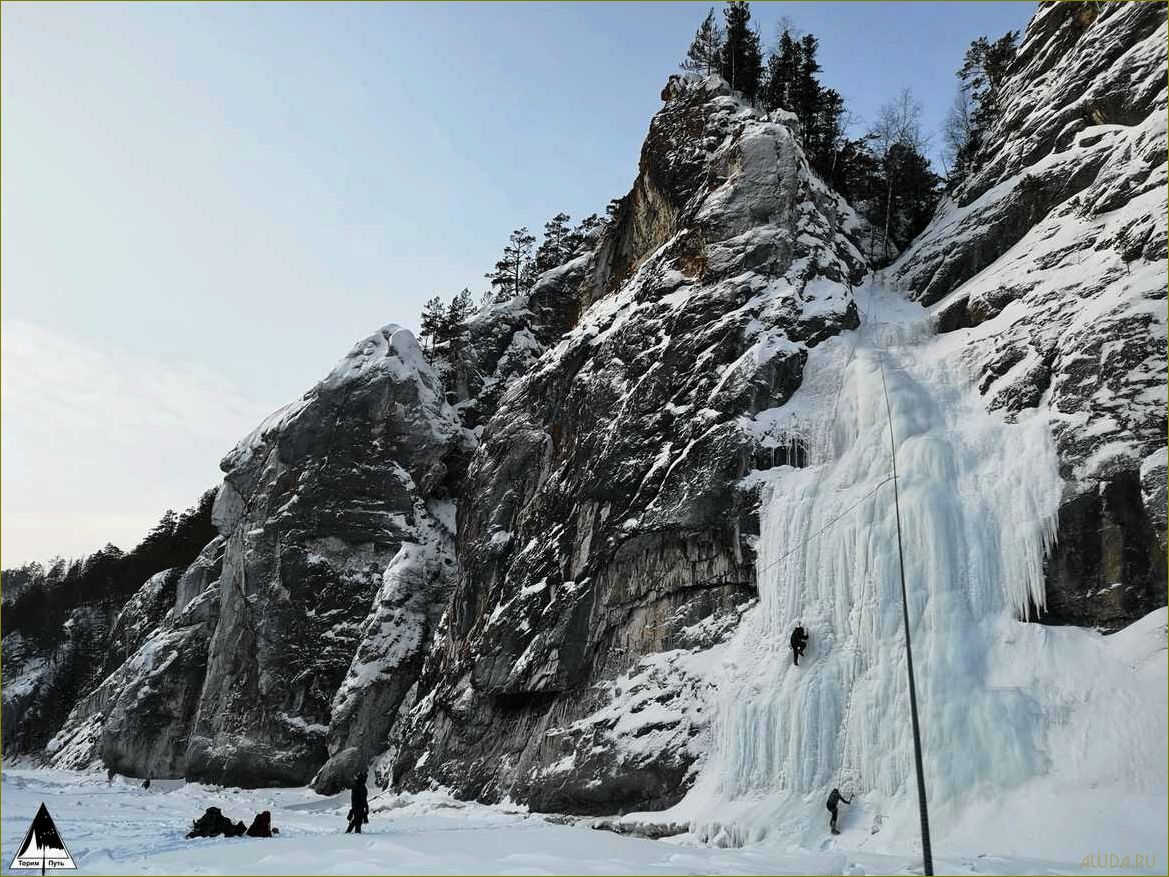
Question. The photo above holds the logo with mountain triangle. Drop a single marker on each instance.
(42, 846)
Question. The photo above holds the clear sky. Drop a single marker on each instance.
(205, 206)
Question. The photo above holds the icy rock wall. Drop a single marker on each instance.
(978, 500)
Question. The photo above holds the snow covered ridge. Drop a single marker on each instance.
(1049, 268)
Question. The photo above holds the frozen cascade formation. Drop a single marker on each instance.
(979, 497)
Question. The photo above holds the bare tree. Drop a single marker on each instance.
(898, 124)
(958, 127)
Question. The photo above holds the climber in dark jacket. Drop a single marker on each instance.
(358, 805)
(799, 642)
(834, 799)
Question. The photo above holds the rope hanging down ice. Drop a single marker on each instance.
(926, 854)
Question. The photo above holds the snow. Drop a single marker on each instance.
(123, 829)
(18, 684)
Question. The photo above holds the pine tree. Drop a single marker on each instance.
(430, 323)
(830, 132)
(983, 71)
(897, 134)
(782, 68)
(704, 53)
(513, 273)
(582, 234)
(804, 94)
(456, 315)
(554, 249)
(741, 59)
(916, 192)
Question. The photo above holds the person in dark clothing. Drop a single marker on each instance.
(799, 642)
(358, 805)
(834, 799)
(146, 785)
(262, 825)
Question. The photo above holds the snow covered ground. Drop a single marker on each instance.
(123, 829)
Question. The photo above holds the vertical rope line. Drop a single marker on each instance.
(927, 855)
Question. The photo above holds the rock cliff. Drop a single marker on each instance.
(1050, 260)
(601, 519)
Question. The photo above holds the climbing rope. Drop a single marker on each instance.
(927, 855)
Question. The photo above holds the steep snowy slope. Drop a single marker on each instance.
(1049, 267)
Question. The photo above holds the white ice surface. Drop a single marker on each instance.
(123, 829)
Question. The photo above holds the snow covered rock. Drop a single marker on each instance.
(78, 744)
(600, 518)
(315, 504)
(415, 589)
(1050, 263)
(155, 694)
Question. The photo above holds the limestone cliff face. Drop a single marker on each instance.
(601, 518)
(1050, 262)
(314, 505)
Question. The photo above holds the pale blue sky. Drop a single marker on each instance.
(204, 206)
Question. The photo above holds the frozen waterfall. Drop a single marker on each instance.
(978, 501)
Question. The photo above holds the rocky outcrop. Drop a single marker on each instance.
(314, 505)
(156, 694)
(502, 571)
(1049, 265)
(414, 593)
(78, 744)
(600, 518)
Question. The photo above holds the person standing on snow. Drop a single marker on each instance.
(834, 799)
(358, 805)
(799, 642)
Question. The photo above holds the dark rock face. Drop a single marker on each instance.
(314, 506)
(1116, 575)
(507, 585)
(156, 694)
(1050, 263)
(415, 591)
(601, 517)
(77, 744)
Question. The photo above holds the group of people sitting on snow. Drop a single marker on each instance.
(214, 824)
